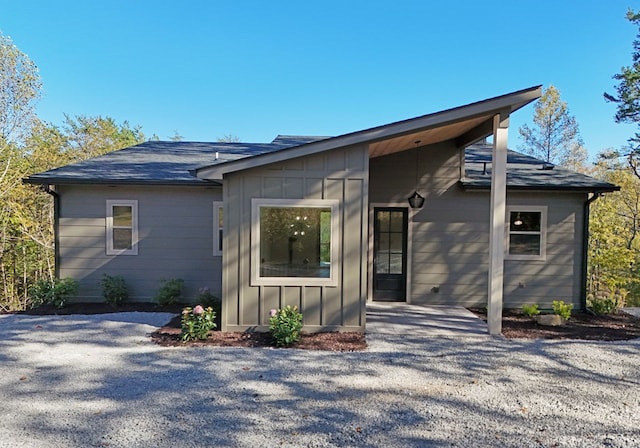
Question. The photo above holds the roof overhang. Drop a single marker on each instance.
(465, 125)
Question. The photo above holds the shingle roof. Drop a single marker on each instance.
(159, 162)
(168, 163)
(526, 173)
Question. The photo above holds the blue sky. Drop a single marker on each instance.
(258, 68)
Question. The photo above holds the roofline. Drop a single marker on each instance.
(543, 188)
(509, 102)
(60, 181)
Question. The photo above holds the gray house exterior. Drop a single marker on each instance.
(325, 224)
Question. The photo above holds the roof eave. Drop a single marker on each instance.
(62, 181)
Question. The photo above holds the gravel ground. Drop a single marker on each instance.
(98, 381)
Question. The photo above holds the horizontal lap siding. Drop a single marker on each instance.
(340, 174)
(450, 234)
(175, 232)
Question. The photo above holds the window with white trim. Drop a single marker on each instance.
(122, 227)
(294, 242)
(526, 232)
(218, 227)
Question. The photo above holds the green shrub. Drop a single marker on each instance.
(285, 325)
(197, 322)
(562, 309)
(114, 289)
(205, 298)
(530, 310)
(605, 304)
(170, 291)
(55, 292)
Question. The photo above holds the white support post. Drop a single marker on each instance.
(497, 223)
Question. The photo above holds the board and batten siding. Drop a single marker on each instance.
(175, 239)
(340, 174)
(449, 249)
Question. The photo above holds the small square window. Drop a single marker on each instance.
(526, 235)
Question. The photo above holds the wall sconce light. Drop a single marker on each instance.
(518, 222)
(416, 200)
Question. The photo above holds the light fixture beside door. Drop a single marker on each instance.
(416, 200)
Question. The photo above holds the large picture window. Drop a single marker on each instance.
(526, 233)
(294, 242)
(122, 227)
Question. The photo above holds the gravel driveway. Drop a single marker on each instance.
(97, 381)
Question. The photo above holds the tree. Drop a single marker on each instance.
(228, 138)
(627, 98)
(555, 137)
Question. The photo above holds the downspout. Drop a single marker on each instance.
(56, 233)
(585, 250)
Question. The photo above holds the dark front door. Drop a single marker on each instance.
(390, 253)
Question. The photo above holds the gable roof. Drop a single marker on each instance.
(202, 163)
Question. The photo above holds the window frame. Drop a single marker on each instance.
(542, 209)
(218, 244)
(335, 263)
(111, 203)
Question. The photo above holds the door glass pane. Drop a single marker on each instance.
(395, 263)
(383, 242)
(395, 242)
(383, 222)
(397, 224)
(382, 263)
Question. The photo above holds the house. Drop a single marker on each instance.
(327, 223)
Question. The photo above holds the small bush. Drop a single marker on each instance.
(114, 289)
(55, 292)
(170, 291)
(562, 309)
(605, 304)
(205, 298)
(285, 325)
(196, 323)
(530, 310)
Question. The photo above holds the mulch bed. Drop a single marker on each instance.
(586, 326)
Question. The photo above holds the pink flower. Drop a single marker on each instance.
(273, 312)
(198, 309)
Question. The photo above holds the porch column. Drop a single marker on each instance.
(497, 223)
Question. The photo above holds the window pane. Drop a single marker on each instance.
(524, 244)
(220, 218)
(395, 242)
(396, 224)
(525, 221)
(383, 221)
(122, 215)
(122, 239)
(395, 263)
(295, 242)
(382, 263)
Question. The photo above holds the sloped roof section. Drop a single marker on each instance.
(526, 173)
(158, 162)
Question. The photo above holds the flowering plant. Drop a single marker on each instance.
(285, 325)
(197, 322)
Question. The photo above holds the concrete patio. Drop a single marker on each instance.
(423, 321)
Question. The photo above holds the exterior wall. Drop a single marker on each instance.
(175, 239)
(449, 249)
(340, 174)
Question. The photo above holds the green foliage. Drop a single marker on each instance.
(562, 309)
(206, 298)
(606, 303)
(55, 292)
(197, 322)
(114, 289)
(170, 291)
(285, 325)
(555, 136)
(530, 310)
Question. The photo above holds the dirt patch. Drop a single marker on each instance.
(586, 326)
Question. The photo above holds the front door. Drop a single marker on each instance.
(390, 253)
